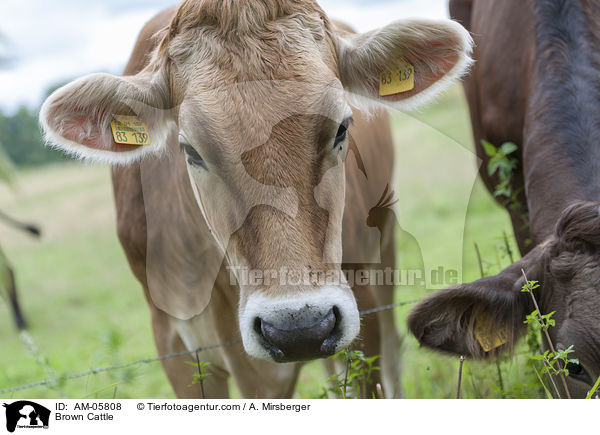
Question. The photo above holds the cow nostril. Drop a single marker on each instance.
(300, 340)
(329, 345)
(259, 328)
(258, 325)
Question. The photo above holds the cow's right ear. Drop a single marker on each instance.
(77, 117)
(479, 319)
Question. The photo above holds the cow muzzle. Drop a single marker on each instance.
(300, 328)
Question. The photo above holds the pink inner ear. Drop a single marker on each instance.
(84, 131)
(424, 77)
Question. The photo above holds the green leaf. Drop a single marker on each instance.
(489, 149)
(502, 192)
(591, 393)
(493, 165)
(508, 148)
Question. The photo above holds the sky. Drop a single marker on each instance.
(50, 42)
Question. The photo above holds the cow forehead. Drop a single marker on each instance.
(290, 47)
(246, 113)
(272, 50)
(234, 75)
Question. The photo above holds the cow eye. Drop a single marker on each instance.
(193, 157)
(342, 133)
(577, 371)
(574, 368)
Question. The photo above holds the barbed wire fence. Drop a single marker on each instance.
(52, 379)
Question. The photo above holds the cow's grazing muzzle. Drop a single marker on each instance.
(300, 341)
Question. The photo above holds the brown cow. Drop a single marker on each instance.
(258, 94)
(535, 83)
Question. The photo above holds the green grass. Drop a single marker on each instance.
(84, 306)
(86, 310)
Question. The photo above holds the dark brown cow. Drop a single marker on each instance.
(536, 82)
(258, 93)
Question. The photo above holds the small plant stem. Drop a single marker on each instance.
(40, 359)
(460, 372)
(346, 375)
(548, 393)
(200, 376)
(552, 379)
(380, 394)
(478, 252)
(552, 349)
(507, 246)
(475, 387)
(500, 379)
(480, 261)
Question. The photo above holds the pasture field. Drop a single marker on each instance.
(86, 310)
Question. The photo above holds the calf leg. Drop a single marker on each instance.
(14, 301)
(370, 337)
(181, 374)
(391, 344)
(9, 287)
(391, 341)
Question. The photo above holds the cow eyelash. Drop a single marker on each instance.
(342, 133)
(193, 157)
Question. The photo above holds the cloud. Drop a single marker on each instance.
(368, 15)
(56, 41)
(52, 42)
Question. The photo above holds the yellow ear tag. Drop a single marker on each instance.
(397, 79)
(129, 130)
(489, 339)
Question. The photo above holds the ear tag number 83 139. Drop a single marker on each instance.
(129, 130)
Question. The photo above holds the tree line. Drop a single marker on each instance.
(22, 140)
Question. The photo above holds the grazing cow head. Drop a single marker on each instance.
(258, 94)
(567, 267)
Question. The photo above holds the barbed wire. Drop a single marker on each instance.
(117, 367)
(389, 307)
(28, 340)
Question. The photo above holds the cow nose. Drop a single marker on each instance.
(299, 341)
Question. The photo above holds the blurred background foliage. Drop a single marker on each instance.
(21, 139)
(20, 135)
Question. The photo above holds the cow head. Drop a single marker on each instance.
(567, 266)
(257, 93)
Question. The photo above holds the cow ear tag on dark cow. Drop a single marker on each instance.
(129, 130)
(397, 79)
(488, 338)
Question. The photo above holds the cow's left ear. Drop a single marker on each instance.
(77, 118)
(418, 58)
(479, 319)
